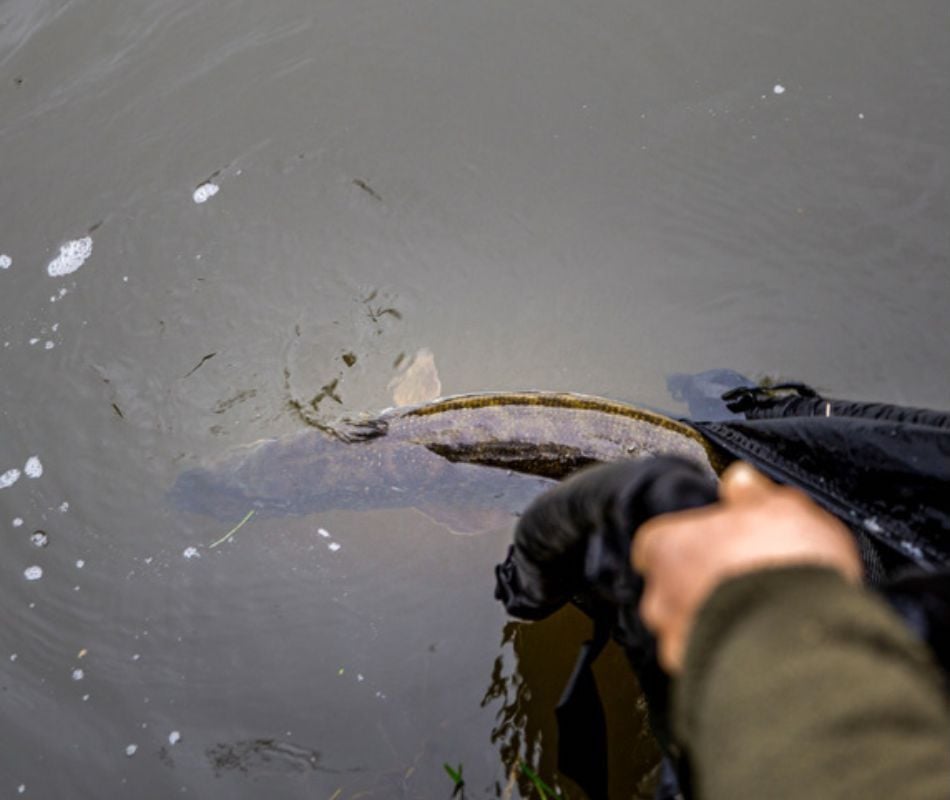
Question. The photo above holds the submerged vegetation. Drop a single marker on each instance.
(456, 776)
(544, 791)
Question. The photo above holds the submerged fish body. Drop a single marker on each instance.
(450, 458)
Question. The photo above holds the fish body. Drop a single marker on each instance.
(452, 458)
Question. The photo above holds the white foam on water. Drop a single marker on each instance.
(9, 477)
(131, 749)
(80, 564)
(174, 738)
(778, 89)
(78, 674)
(334, 546)
(49, 345)
(72, 256)
(17, 522)
(33, 573)
(64, 507)
(33, 467)
(21, 788)
(323, 532)
(13, 656)
(205, 192)
(191, 552)
(5, 261)
(33, 341)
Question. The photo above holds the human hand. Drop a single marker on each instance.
(756, 524)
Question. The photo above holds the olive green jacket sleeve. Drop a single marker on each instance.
(797, 684)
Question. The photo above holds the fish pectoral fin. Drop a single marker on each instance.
(359, 430)
(468, 521)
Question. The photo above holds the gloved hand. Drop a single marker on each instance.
(574, 543)
(576, 538)
(755, 525)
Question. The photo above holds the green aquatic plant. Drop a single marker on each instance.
(544, 790)
(233, 530)
(456, 776)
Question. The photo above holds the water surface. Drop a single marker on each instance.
(547, 195)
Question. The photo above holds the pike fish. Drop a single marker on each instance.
(467, 461)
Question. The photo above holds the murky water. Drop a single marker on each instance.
(211, 209)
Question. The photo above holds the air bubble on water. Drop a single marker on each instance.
(778, 89)
(17, 522)
(5, 261)
(80, 563)
(49, 345)
(72, 256)
(33, 341)
(131, 749)
(174, 738)
(39, 539)
(13, 656)
(334, 546)
(9, 477)
(205, 192)
(85, 698)
(78, 674)
(191, 552)
(136, 656)
(55, 327)
(21, 788)
(33, 467)
(323, 532)
(33, 573)
(63, 507)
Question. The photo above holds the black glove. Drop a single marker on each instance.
(575, 539)
(573, 543)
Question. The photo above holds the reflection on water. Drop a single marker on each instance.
(527, 680)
